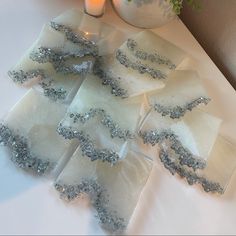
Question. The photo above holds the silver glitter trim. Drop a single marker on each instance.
(51, 92)
(137, 65)
(20, 152)
(191, 177)
(178, 111)
(58, 59)
(45, 83)
(108, 80)
(22, 76)
(185, 157)
(106, 120)
(132, 45)
(87, 146)
(87, 47)
(109, 220)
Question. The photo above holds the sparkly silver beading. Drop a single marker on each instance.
(21, 76)
(87, 146)
(108, 219)
(108, 80)
(52, 92)
(178, 111)
(59, 61)
(106, 120)
(190, 176)
(185, 157)
(137, 65)
(87, 47)
(20, 152)
(132, 45)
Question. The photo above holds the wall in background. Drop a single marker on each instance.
(214, 26)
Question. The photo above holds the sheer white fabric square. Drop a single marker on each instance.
(34, 120)
(197, 130)
(107, 37)
(123, 113)
(183, 90)
(220, 167)
(151, 44)
(121, 186)
(49, 38)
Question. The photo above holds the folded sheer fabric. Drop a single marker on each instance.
(215, 177)
(56, 71)
(116, 98)
(113, 190)
(95, 115)
(192, 148)
(142, 63)
(64, 53)
(183, 92)
(106, 37)
(190, 138)
(29, 132)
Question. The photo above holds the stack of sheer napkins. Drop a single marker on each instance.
(97, 102)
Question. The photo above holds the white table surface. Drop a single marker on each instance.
(167, 205)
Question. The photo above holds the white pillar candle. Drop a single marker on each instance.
(94, 7)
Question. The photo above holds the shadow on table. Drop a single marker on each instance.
(13, 181)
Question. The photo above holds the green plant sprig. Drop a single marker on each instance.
(178, 5)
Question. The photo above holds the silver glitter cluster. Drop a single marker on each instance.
(137, 65)
(87, 47)
(109, 220)
(87, 146)
(22, 76)
(106, 120)
(59, 60)
(178, 111)
(190, 176)
(51, 92)
(108, 80)
(20, 152)
(185, 157)
(132, 45)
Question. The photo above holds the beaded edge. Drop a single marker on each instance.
(132, 45)
(87, 146)
(191, 177)
(20, 153)
(105, 119)
(138, 66)
(109, 220)
(178, 111)
(185, 157)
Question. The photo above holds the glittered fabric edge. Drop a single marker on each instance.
(59, 59)
(105, 119)
(87, 146)
(184, 156)
(108, 80)
(21, 76)
(132, 45)
(138, 66)
(20, 153)
(99, 199)
(190, 176)
(179, 111)
(89, 47)
(45, 83)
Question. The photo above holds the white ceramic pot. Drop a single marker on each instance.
(145, 13)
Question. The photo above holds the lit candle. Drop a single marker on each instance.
(94, 7)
